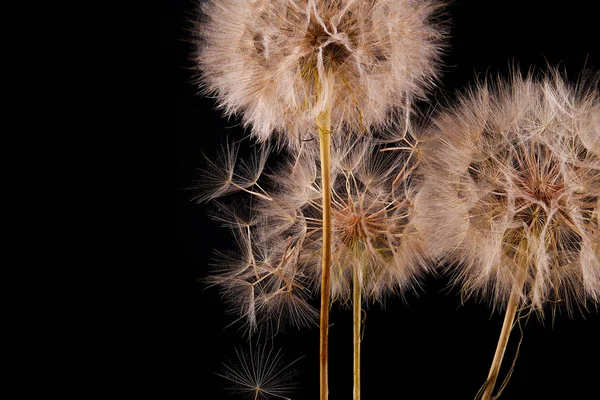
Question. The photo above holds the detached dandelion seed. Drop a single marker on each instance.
(514, 188)
(261, 374)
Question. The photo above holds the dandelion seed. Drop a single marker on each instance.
(226, 174)
(261, 373)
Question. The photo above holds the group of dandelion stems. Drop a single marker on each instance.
(502, 187)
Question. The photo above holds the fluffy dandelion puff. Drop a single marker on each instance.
(514, 189)
(372, 207)
(281, 63)
(513, 196)
(268, 279)
(260, 374)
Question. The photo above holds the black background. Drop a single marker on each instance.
(428, 346)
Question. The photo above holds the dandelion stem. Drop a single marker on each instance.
(324, 127)
(507, 326)
(356, 310)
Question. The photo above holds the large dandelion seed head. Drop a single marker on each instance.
(515, 186)
(372, 206)
(279, 63)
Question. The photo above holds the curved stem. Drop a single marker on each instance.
(356, 309)
(509, 318)
(324, 127)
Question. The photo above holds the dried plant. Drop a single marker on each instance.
(513, 194)
(281, 63)
(290, 66)
(376, 247)
(260, 374)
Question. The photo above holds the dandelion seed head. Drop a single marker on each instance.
(372, 227)
(515, 174)
(376, 241)
(279, 63)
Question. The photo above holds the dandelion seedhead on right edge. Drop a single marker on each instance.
(515, 190)
(513, 197)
